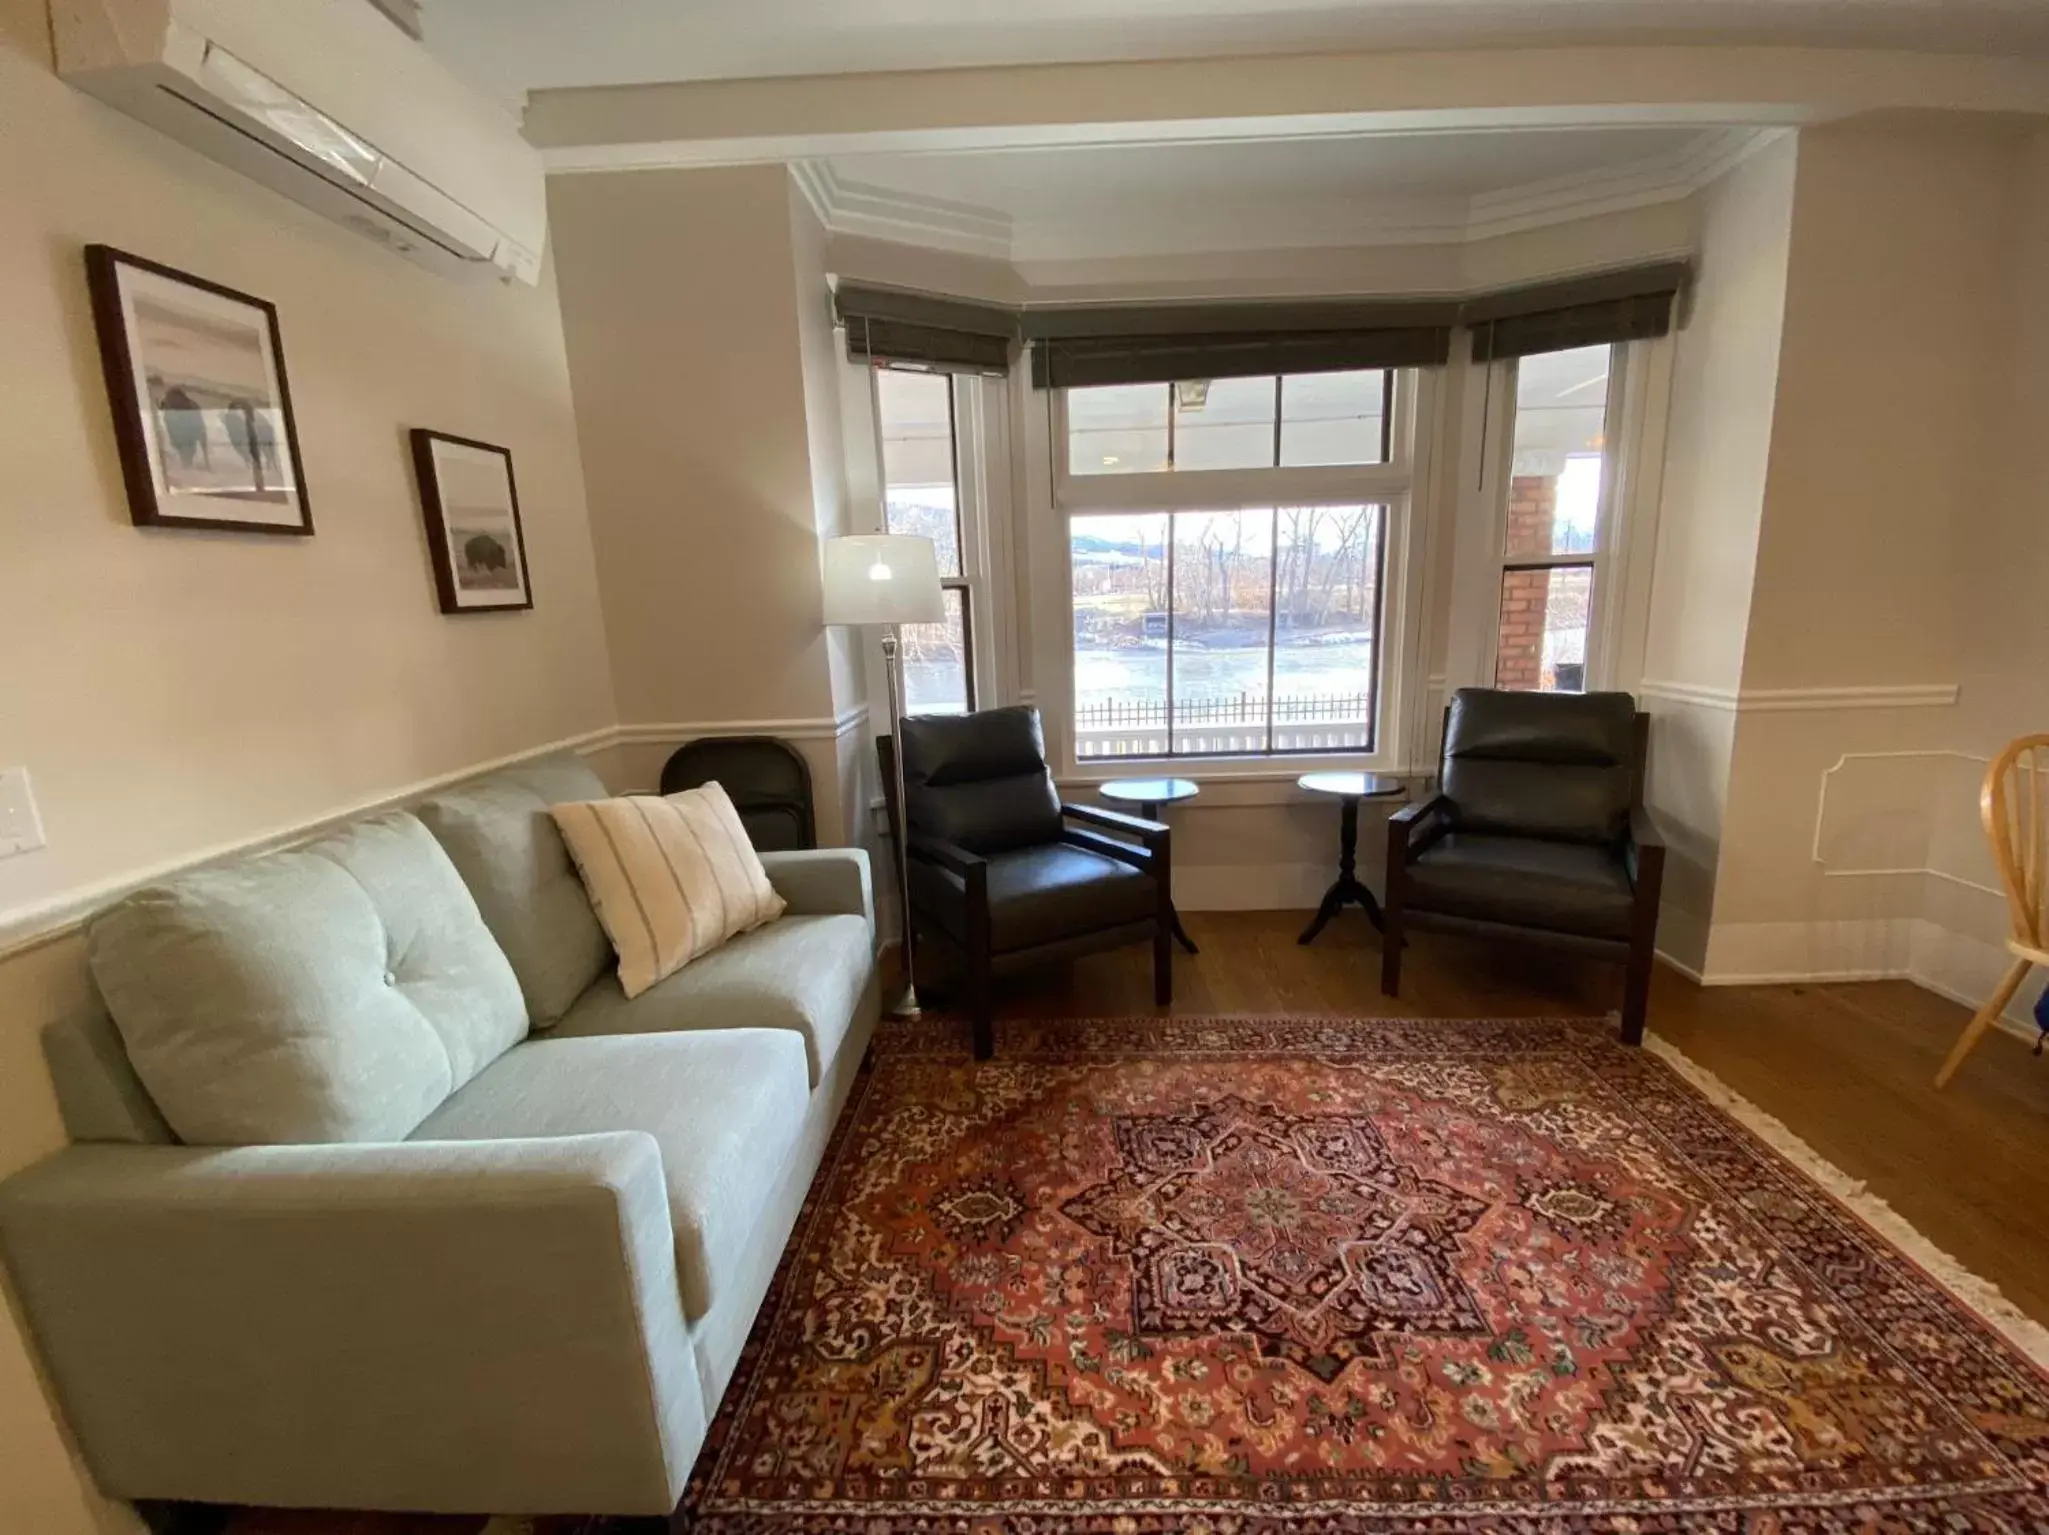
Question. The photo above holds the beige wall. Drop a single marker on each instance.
(2002, 656)
(1724, 387)
(175, 692)
(678, 304)
(1875, 506)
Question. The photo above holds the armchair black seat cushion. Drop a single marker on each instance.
(1563, 887)
(1537, 834)
(1042, 895)
(1000, 874)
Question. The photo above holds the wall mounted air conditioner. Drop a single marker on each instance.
(329, 103)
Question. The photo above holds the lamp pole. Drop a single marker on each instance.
(892, 663)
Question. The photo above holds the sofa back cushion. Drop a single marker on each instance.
(335, 992)
(506, 847)
(1555, 765)
(980, 780)
(99, 1096)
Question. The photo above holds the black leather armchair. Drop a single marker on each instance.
(1537, 835)
(1001, 875)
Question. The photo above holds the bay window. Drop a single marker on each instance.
(1228, 548)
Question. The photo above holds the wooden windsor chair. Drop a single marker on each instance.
(2010, 805)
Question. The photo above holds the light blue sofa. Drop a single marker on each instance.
(528, 1301)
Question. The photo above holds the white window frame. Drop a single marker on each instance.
(1625, 524)
(1402, 485)
(982, 499)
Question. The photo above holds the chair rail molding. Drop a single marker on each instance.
(1909, 695)
(34, 925)
(39, 923)
(822, 727)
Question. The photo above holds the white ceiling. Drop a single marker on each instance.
(511, 46)
(1253, 194)
(1037, 185)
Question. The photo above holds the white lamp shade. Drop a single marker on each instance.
(882, 578)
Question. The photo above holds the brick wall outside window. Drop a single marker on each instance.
(1519, 658)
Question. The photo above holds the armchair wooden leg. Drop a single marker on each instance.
(1984, 1019)
(980, 1008)
(1391, 942)
(1636, 990)
(1163, 965)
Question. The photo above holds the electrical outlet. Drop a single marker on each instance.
(21, 829)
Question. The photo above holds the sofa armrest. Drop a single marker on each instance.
(441, 1326)
(824, 882)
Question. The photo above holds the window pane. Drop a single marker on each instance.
(1543, 641)
(1333, 418)
(1225, 423)
(1117, 429)
(1120, 635)
(935, 658)
(1554, 492)
(1223, 614)
(1327, 595)
(917, 460)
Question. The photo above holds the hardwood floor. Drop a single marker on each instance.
(1848, 1067)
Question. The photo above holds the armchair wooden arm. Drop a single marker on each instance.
(1148, 832)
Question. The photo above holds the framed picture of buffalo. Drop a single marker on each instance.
(202, 413)
(473, 529)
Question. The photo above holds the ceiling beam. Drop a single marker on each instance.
(726, 122)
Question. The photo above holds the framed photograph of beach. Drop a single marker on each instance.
(202, 412)
(473, 528)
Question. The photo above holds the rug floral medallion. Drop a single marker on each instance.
(1136, 1276)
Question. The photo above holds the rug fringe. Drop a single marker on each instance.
(1976, 1294)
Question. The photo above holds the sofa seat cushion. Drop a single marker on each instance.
(504, 844)
(1041, 895)
(725, 1106)
(334, 992)
(806, 974)
(1565, 887)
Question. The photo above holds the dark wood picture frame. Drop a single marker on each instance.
(138, 420)
(449, 583)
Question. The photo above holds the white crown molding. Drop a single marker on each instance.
(850, 207)
(900, 217)
(1936, 695)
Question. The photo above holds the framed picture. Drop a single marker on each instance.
(473, 528)
(202, 412)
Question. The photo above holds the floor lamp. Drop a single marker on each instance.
(886, 580)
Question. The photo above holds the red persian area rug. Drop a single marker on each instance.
(1343, 1275)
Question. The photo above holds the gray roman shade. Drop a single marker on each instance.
(1600, 309)
(948, 335)
(1162, 343)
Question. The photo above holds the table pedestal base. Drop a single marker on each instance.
(1349, 890)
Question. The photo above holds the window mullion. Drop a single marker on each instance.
(1273, 600)
(1173, 540)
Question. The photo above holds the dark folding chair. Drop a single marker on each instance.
(767, 779)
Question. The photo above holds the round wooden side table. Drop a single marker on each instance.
(1349, 889)
(1151, 796)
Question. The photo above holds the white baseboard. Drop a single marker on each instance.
(1778, 953)
(1960, 966)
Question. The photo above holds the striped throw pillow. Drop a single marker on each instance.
(672, 877)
